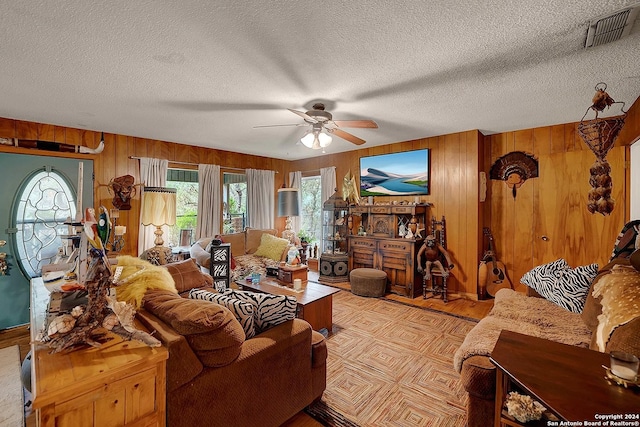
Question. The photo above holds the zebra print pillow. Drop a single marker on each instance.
(243, 311)
(562, 285)
(269, 310)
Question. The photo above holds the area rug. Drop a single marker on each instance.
(390, 364)
(11, 409)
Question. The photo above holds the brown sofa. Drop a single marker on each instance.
(216, 377)
(243, 248)
(532, 315)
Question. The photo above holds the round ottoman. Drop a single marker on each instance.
(368, 282)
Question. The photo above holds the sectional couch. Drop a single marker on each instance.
(215, 375)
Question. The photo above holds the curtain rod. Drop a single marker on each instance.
(194, 164)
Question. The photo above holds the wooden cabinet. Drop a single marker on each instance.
(382, 246)
(122, 383)
(396, 257)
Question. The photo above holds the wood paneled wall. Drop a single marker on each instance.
(115, 161)
(553, 205)
(548, 219)
(455, 164)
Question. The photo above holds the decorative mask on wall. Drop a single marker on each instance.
(123, 190)
(514, 168)
(600, 135)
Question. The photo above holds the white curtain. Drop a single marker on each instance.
(295, 181)
(209, 201)
(327, 182)
(260, 198)
(153, 173)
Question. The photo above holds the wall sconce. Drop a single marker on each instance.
(117, 243)
(288, 206)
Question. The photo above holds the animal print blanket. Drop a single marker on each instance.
(247, 264)
(526, 315)
(620, 291)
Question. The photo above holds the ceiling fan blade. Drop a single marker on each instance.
(304, 116)
(356, 124)
(345, 135)
(273, 126)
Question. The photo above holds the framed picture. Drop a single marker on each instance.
(397, 174)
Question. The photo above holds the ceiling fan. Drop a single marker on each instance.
(321, 120)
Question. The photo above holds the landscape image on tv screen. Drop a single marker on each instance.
(396, 174)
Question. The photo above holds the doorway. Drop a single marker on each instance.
(26, 222)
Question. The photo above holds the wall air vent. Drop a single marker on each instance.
(607, 29)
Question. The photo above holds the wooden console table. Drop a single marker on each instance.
(122, 383)
(569, 381)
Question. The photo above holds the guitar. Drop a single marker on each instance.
(492, 274)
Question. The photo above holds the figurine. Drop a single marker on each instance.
(433, 253)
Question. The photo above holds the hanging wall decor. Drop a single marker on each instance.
(600, 134)
(53, 146)
(514, 169)
(123, 189)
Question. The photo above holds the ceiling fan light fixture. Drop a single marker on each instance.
(324, 139)
(307, 139)
(315, 139)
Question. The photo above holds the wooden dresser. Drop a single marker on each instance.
(122, 383)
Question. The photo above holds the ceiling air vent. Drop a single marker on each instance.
(607, 29)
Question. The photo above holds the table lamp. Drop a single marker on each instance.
(158, 209)
(288, 206)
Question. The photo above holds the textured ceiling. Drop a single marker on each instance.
(206, 72)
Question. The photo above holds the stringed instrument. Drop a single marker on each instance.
(492, 274)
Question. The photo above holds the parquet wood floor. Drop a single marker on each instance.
(456, 305)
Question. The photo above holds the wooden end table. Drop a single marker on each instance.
(315, 301)
(568, 380)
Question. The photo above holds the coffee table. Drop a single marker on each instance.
(569, 381)
(315, 301)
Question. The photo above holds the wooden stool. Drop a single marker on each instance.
(368, 282)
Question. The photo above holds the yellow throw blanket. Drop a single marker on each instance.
(620, 291)
(136, 277)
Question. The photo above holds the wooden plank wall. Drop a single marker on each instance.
(455, 164)
(553, 206)
(115, 161)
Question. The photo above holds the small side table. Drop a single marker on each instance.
(568, 380)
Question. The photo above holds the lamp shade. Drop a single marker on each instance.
(288, 202)
(159, 206)
(315, 139)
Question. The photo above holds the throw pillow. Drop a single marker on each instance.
(134, 276)
(270, 310)
(211, 330)
(253, 237)
(243, 311)
(573, 286)
(271, 247)
(187, 275)
(560, 284)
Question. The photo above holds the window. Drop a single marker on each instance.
(45, 202)
(186, 184)
(311, 209)
(234, 197)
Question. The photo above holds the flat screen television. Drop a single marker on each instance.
(396, 174)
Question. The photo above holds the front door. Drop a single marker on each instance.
(22, 173)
